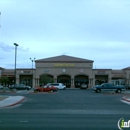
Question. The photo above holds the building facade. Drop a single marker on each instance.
(71, 71)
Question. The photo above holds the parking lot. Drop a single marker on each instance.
(66, 109)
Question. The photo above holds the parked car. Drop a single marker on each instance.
(127, 86)
(46, 88)
(57, 85)
(20, 87)
(109, 87)
(1, 87)
(84, 86)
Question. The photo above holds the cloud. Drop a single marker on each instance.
(23, 49)
(92, 29)
(8, 48)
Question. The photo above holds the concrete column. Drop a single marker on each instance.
(109, 80)
(72, 82)
(55, 80)
(33, 83)
(93, 82)
(17, 81)
(38, 81)
(90, 83)
(127, 81)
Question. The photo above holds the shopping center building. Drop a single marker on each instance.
(72, 71)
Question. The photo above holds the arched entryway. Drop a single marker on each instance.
(46, 78)
(65, 79)
(79, 80)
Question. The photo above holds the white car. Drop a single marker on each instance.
(57, 85)
(84, 86)
(1, 87)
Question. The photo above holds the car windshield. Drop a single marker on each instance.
(55, 84)
(46, 86)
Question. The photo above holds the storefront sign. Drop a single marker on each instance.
(64, 64)
(25, 72)
(101, 72)
(6, 75)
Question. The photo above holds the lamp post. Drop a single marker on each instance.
(15, 60)
(33, 60)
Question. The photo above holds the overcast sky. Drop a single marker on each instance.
(97, 30)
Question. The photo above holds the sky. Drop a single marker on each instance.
(97, 30)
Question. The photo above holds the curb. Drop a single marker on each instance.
(15, 103)
(125, 98)
(11, 101)
(41, 92)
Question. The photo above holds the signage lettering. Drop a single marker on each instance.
(101, 72)
(64, 64)
(26, 71)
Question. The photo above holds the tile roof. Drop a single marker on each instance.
(64, 58)
(128, 68)
(1, 68)
(117, 72)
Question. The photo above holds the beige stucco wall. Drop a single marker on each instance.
(42, 65)
(71, 69)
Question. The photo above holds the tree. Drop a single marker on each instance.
(44, 79)
(4, 80)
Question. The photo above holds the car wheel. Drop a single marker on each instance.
(52, 91)
(98, 90)
(118, 90)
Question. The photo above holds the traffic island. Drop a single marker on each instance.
(126, 98)
(8, 101)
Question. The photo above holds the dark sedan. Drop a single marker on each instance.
(20, 87)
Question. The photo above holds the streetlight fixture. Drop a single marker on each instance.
(15, 60)
(33, 60)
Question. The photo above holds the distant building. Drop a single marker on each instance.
(69, 70)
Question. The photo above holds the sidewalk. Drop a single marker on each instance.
(7, 101)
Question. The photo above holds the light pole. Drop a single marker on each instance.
(33, 60)
(15, 60)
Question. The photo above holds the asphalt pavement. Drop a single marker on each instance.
(65, 110)
(13, 100)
